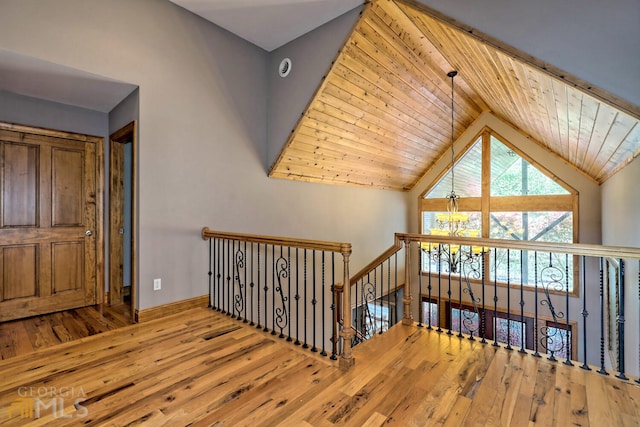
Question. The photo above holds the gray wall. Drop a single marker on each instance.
(311, 57)
(202, 135)
(25, 110)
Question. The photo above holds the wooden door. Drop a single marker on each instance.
(47, 223)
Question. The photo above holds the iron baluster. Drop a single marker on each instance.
(429, 326)
(461, 314)
(389, 292)
(449, 298)
(274, 272)
(568, 328)
(210, 275)
(334, 323)
(324, 351)
(620, 320)
(297, 297)
(304, 300)
(252, 284)
(439, 287)
(395, 294)
(495, 298)
(280, 312)
(535, 305)
(238, 303)
(289, 290)
(266, 286)
(219, 258)
(225, 275)
(522, 279)
(259, 326)
(551, 276)
(367, 321)
(245, 303)
(421, 311)
(602, 370)
(585, 313)
(508, 347)
(483, 318)
(470, 267)
(313, 304)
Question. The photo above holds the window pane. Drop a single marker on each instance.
(534, 226)
(468, 172)
(430, 311)
(511, 329)
(552, 271)
(512, 175)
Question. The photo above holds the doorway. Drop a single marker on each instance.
(122, 214)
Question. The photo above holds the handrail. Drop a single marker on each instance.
(320, 245)
(568, 248)
(397, 245)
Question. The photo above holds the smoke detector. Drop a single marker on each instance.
(285, 67)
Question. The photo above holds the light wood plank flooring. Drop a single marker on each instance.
(202, 368)
(23, 336)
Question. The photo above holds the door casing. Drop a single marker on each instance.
(127, 134)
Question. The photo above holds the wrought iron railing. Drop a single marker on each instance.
(566, 302)
(283, 286)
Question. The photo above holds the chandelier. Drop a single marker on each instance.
(452, 223)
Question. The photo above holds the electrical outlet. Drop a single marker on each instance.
(157, 284)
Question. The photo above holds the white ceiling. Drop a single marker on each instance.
(269, 23)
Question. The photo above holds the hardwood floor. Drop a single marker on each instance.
(23, 336)
(202, 368)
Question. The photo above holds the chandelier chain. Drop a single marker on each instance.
(452, 75)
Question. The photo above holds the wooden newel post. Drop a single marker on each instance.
(346, 358)
(407, 319)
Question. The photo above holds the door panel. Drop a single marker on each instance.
(67, 264)
(20, 267)
(48, 203)
(20, 177)
(67, 195)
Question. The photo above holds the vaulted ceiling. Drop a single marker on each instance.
(381, 116)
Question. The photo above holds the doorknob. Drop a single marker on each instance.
(88, 233)
(121, 231)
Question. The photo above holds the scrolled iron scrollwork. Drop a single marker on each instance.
(282, 272)
(471, 265)
(552, 340)
(238, 300)
(368, 319)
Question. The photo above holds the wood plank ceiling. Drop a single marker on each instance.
(382, 115)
